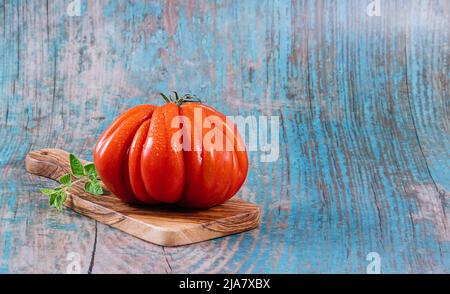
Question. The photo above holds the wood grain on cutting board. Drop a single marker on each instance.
(162, 225)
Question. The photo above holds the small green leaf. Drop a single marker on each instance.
(65, 180)
(53, 199)
(90, 168)
(91, 171)
(76, 166)
(61, 199)
(93, 188)
(92, 178)
(57, 200)
(47, 192)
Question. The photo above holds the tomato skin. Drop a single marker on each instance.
(134, 164)
(110, 152)
(210, 171)
(162, 162)
(139, 160)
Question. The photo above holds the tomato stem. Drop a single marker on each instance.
(180, 100)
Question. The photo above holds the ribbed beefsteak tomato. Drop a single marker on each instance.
(172, 154)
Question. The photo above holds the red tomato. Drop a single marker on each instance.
(183, 152)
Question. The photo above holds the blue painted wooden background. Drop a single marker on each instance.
(364, 111)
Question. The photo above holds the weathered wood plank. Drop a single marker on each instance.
(363, 105)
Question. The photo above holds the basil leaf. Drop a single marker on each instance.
(76, 166)
(93, 188)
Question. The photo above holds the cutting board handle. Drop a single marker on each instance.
(49, 163)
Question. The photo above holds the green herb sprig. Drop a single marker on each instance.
(80, 173)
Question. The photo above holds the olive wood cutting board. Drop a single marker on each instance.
(166, 226)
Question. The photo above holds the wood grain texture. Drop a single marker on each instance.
(365, 127)
(166, 226)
